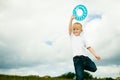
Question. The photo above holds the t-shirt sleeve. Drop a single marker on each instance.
(88, 42)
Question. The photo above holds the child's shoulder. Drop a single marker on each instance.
(82, 35)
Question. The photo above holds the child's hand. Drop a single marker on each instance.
(98, 57)
(72, 17)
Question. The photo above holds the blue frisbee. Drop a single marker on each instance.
(84, 12)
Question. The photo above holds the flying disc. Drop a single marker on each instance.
(84, 12)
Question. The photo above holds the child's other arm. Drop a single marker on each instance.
(70, 24)
(94, 53)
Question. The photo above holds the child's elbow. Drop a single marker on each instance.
(88, 47)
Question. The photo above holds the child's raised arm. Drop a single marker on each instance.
(70, 24)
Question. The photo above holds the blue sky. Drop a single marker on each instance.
(34, 36)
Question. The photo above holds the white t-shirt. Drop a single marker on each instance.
(79, 44)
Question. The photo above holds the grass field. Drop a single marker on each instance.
(34, 77)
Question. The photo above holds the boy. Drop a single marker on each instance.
(79, 46)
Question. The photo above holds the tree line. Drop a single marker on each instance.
(65, 76)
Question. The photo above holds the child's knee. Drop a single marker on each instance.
(95, 69)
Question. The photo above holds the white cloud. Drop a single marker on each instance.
(34, 33)
(107, 71)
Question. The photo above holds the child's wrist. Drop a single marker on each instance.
(71, 19)
(95, 55)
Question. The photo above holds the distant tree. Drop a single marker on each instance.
(47, 76)
(69, 75)
(109, 78)
(87, 75)
(118, 78)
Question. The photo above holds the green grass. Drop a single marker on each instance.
(34, 77)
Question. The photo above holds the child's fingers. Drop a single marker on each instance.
(73, 16)
(98, 57)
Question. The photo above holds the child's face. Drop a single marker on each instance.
(77, 30)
